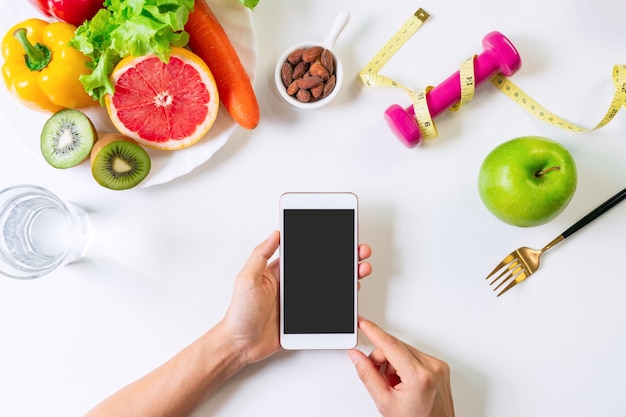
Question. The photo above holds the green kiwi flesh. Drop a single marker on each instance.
(120, 165)
(67, 138)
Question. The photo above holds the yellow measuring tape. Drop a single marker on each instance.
(520, 97)
(370, 76)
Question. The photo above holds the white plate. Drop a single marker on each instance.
(166, 165)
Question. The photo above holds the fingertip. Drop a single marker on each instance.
(355, 356)
(368, 373)
(362, 320)
(365, 269)
(365, 251)
(265, 249)
(370, 329)
(275, 235)
(273, 239)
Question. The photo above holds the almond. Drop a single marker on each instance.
(312, 54)
(293, 87)
(310, 82)
(329, 86)
(296, 56)
(318, 70)
(317, 91)
(303, 95)
(286, 74)
(300, 69)
(328, 61)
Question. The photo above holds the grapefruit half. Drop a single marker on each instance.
(162, 105)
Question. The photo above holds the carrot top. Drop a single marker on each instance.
(250, 4)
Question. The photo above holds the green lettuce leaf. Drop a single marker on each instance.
(129, 28)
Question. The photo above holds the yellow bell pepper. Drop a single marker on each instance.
(41, 69)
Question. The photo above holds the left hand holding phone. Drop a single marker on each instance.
(252, 317)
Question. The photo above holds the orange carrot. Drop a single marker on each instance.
(209, 41)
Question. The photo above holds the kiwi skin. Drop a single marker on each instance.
(112, 149)
(61, 124)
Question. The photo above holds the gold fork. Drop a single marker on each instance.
(523, 262)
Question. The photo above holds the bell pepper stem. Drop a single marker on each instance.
(37, 57)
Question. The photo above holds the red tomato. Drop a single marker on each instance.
(70, 11)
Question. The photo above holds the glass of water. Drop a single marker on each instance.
(39, 232)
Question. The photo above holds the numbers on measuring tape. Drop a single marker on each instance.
(428, 129)
(467, 82)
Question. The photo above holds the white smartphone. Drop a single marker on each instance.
(318, 270)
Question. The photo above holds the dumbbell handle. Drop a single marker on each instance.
(499, 56)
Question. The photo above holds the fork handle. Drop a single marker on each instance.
(595, 213)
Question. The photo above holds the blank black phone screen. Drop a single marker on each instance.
(319, 270)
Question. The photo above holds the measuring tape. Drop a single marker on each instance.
(520, 97)
(370, 74)
(371, 77)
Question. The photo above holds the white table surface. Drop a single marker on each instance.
(161, 266)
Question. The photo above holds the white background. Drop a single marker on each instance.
(163, 259)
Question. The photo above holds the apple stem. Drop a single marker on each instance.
(543, 172)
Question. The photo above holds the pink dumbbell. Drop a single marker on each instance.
(499, 56)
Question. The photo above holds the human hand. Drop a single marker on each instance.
(252, 318)
(402, 381)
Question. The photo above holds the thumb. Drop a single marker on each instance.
(374, 382)
(256, 263)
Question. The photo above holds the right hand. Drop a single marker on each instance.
(402, 381)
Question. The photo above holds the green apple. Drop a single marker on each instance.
(527, 181)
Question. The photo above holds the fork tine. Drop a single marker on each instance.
(508, 259)
(507, 268)
(521, 277)
(514, 271)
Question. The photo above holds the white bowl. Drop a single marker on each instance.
(328, 43)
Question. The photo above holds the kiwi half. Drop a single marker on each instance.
(118, 162)
(67, 138)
